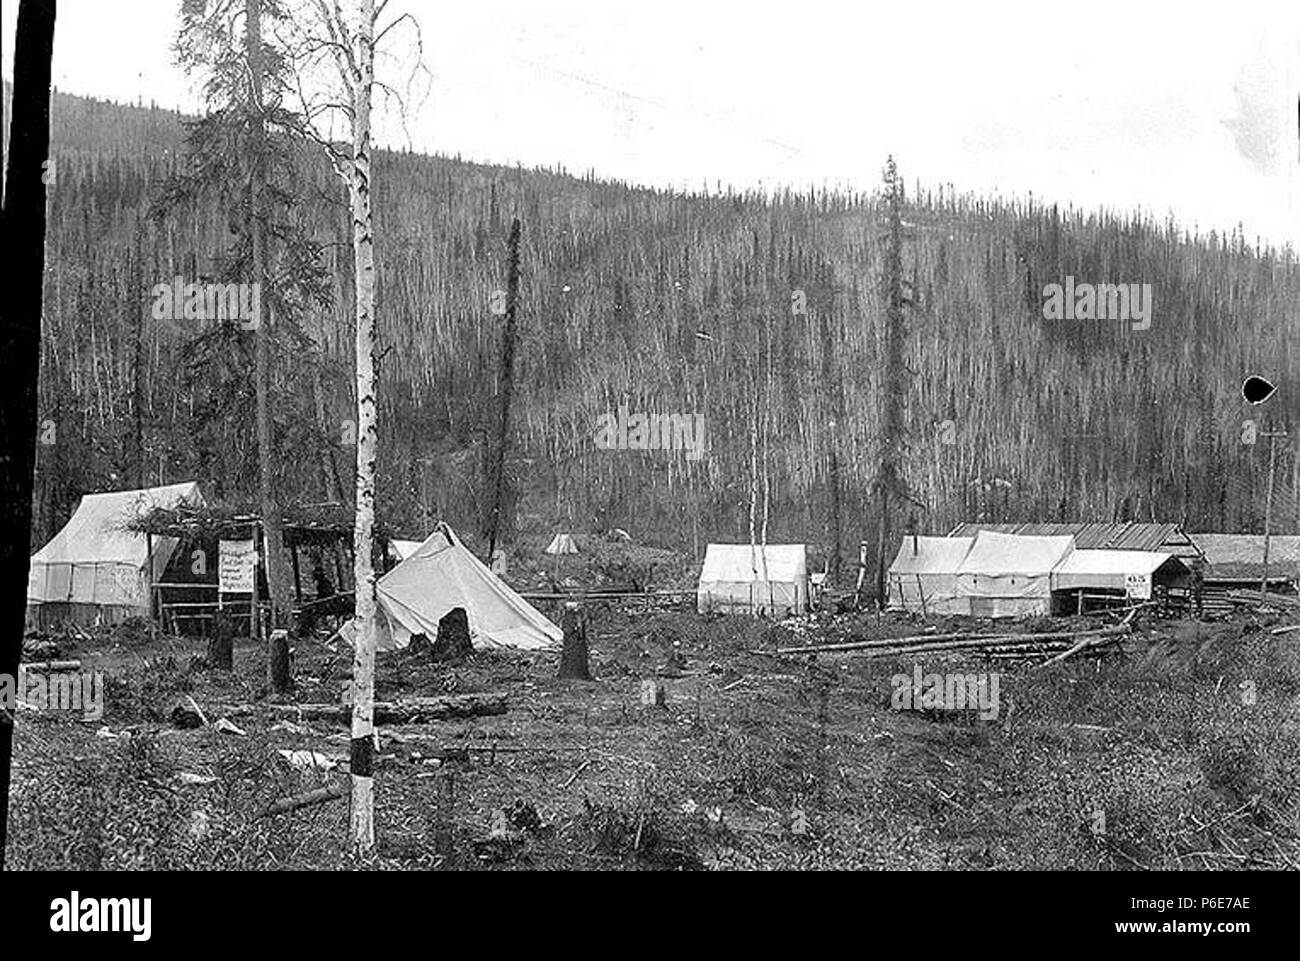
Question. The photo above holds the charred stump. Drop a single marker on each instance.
(574, 664)
(281, 678)
(453, 641)
(221, 645)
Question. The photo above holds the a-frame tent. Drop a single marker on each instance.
(442, 574)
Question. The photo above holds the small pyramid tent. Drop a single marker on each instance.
(94, 569)
(561, 544)
(441, 574)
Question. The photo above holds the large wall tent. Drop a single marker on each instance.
(754, 579)
(923, 577)
(1008, 575)
(95, 570)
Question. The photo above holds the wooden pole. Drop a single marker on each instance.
(297, 577)
(259, 541)
(1268, 507)
(148, 563)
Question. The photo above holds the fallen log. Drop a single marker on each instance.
(52, 666)
(920, 642)
(410, 711)
(1023, 651)
(307, 799)
(1285, 630)
(878, 642)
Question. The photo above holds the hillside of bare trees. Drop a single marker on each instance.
(741, 308)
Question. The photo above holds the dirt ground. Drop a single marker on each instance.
(1181, 749)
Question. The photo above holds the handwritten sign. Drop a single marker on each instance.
(1138, 585)
(238, 561)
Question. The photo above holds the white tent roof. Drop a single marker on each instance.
(404, 549)
(95, 533)
(1116, 563)
(442, 574)
(995, 554)
(741, 562)
(561, 544)
(932, 555)
(95, 537)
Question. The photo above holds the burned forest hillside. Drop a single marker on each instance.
(762, 315)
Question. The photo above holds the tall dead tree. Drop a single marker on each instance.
(893, 380)
(509, 340)
(832, 398)
(139, 360)
(272, 524)
(23, 222)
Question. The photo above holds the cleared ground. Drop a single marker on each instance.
(1179, 750)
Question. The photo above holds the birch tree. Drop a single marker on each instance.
(346, 36)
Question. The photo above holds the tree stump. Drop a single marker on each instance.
(185, 714)
(281, 680)
(574, 657)
(453, 641)
(653, 693)
(221, 645)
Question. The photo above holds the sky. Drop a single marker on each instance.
(1184, 108)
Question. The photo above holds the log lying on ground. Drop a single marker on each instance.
(921, 643)
(410, 711)
(1285, 630)
(52, 666)
(307, 799)
(1252, 597)
(879, 642)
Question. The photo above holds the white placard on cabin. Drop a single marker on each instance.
(238, 561)
(1138, 586)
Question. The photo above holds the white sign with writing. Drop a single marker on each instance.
(238, 561)
(1138, 586)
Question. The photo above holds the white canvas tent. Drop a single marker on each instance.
(404, 549)
(561, 544)
(94, 570)
(923, 577)
(1010, 575)
(745, 579)
(1133, 572)
(441, 574)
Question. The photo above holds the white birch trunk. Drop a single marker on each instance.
(363, 662)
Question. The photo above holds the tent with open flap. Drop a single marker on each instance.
(442, 574)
